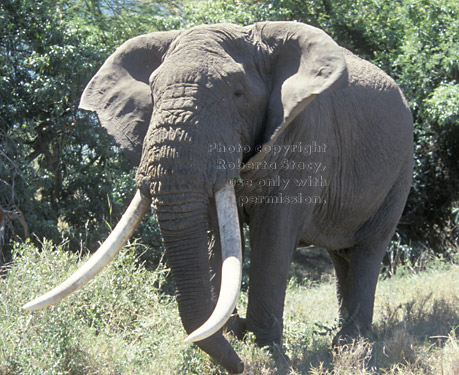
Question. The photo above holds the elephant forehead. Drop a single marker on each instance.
(178, 73)
(202, 56)
(185, 97)
(191, 89)
(194, 67)
(212, 37)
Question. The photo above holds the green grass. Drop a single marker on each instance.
(124, 323)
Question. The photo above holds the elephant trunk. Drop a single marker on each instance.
(184, 231)
(231, 278)
(184, 228)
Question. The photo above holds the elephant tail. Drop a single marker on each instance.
(106, 252)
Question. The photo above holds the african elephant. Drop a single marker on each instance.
(273, 125)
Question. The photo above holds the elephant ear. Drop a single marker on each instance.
(120, 94)
(305, 62)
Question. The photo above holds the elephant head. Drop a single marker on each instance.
(166, 98)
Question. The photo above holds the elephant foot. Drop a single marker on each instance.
(219, 349)
(348, 334)
(236, 326)
(267, 332)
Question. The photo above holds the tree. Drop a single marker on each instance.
(56, 164)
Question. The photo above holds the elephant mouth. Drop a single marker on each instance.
(231, 260)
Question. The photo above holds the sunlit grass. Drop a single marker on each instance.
(124, 322)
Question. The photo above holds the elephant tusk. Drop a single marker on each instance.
(106, 252)
(230, 237)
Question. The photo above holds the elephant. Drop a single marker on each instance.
(273, 125)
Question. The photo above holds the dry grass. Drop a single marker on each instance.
(416, 321)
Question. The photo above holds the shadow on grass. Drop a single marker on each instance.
(409, 326)
(404, 336)
(311, 264)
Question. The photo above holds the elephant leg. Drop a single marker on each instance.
(357, 271)
(341, 264)
(272, 248)
(357, 268)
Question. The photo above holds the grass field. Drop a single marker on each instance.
(125, 322)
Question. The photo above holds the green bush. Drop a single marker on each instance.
(58, 339)
(57, 165)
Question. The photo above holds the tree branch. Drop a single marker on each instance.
(13, 215)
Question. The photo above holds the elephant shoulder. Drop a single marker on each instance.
(371, 85)
(363, 73)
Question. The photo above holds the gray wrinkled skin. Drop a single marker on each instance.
(317, 142)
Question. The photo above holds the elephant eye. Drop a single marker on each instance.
(238, 90)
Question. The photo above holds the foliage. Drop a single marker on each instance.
(428, 70)
(121, 308)
(56, 164)
(123, 322)
(39, 128)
